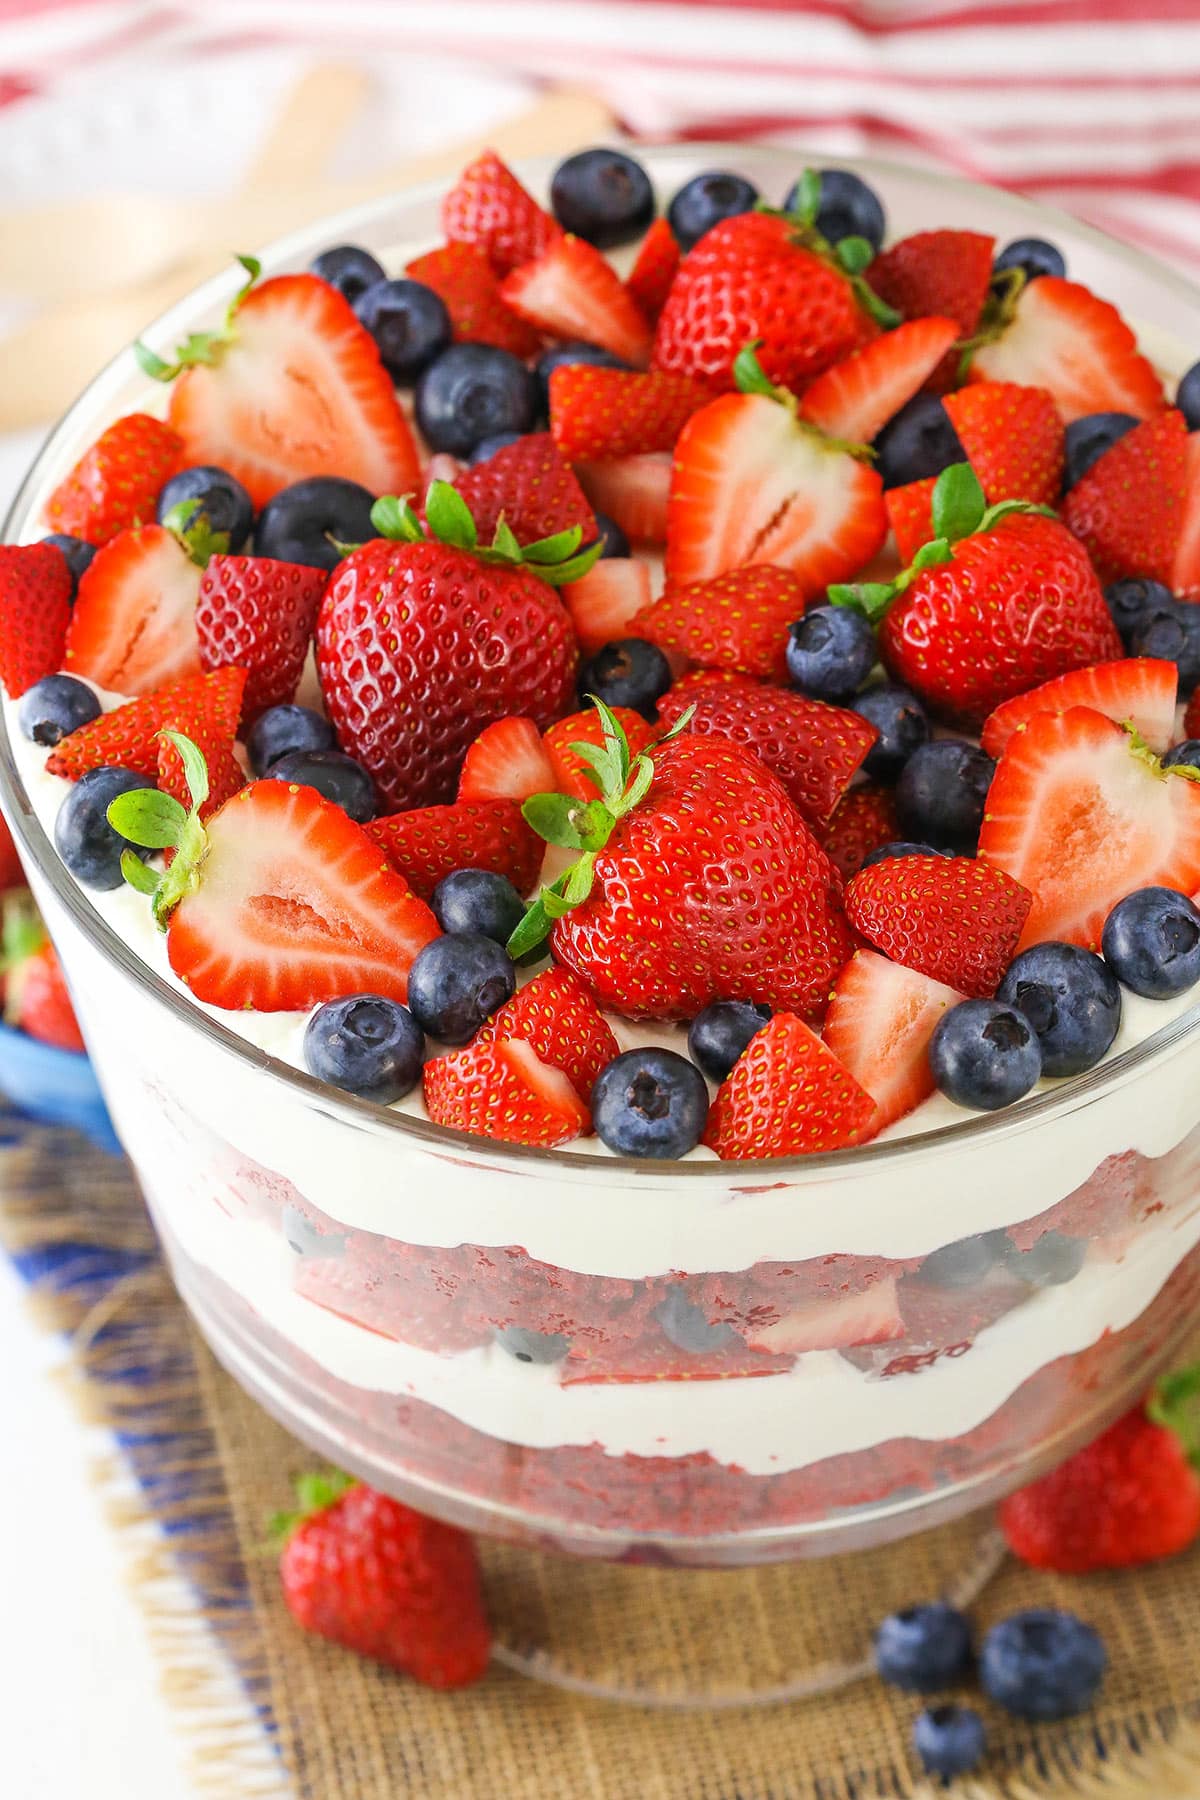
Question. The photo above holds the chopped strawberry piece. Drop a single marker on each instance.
(1013, 437)
(654, 1358)
(202, 707)
(35, 607)
(430, 842)
(604, 603)
(738, 621)
(633, 491)
(787, 1096)
(556, 1014)
(1081, 818)
(572, 291)
(134, 624)
(657, 264)
(855, 399)
(1129, 506)
(212, 726)
(507, 761)
(869, 1317)
(864, 819)
(259, 614)
(488, 206)
(463, 278)
(117, 482)
(1185, 570)
(531, 484)
(910, 515)
(949, 917)
(880, 1020)
(1064, 338)
(937, 273)
(597, 414)
(572, 774)
(498, 1088)
(1137, 691)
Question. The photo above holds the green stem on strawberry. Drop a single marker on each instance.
(199, 539)
(1173, 1403)
(1141, 749)
(23, 936)
(999, 311)
(316, 1491)
(850, 256)
(448, 520)
(200, 346)
(751, 378)
(158, 821)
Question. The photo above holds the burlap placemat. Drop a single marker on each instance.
(208, 1459)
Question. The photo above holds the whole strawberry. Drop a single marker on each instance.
(422, 641)
(370, 1574)
(36, 1000)
(259, 614)
(35, 609)
(1130, 1497)
(116, 483)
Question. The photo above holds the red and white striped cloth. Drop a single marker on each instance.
(1094, 104)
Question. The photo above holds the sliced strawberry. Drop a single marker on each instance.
(498, 1088)
(650, 279)
(604, 603)
(571, 291)
(815, 749)
(463, 278)
(864, 820)
(633, 491)
(294, 906)
(855, 399)
(1128, 508)
(1062, 337)
(507, 761)
(1137, 691)
(203, 707)
(1185, 570)
(488, 206)
(35, 607)
(1191, 718)
(533, 486)
(1013, 437)
(910, 515)
(738, 621)
(937, 273)
(134, 623)
(880, 1020)
(597, 414)
(296, 390)
(259, 614)
(787, 1096)
(871, 1317)
(749, 485)
(572, 774)
(1081, 818)
(212, 726)
(558, 1017)
(430, 842)
(117, 482)
(654, 1358)
(949, 917)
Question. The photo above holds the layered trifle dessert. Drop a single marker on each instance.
(620, 797)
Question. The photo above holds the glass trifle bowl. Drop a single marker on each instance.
(698, 1362)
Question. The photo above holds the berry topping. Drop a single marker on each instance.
(949, 917)
(335, 775)
(597, 413)
(862, 824)
(1136, 691)
(456, 982)
(1187, 396)
(54, 707)
(788, 1095)
(571, 291)
(910, 511)
(602, 195)
(78, 554)
(223, 505)
(737, 621)
(718, 1035)
(1058, 335)
(133, 627)
(848, 207)
(199, 706)
(1088, 438)
(856, 398)
(1042, 1664)
(705, 201)
(365, 1045)
(1013, 439)
(35, 609)
(478, 901)
(1151, 942)
(487, 206)
(937, 273)
(557, 1016)
(312, 521)
(116, 483)
(942, 792)
(499, 1088)
(259, 614)
(899, 718)
(531, 487)
(1033, 256)
(650, 1103)
(880, 1020)
(984, 1054)
(1072, 1000)
(1128, 508)
(632, 490)
(606, 601)
(1170, 631)
(656, 267)
(89, 845)
(463, 279)
(409, 322)
(281, 730)
(36, 999)
(919, 442)
(629, 673)
(507, 761)
(1133, 602)
(472, 391)
(427, 843)
(830, 653)
(347, 268)
(924, 1648)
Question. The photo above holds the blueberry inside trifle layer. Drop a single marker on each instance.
(703, 687)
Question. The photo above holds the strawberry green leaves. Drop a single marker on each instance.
(200, 346)
(316, 1490)
(448, 521)
(751, 378)
(157, 821)
(850, 254)
(199, 539)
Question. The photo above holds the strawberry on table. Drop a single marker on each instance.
(598, 413)
(1129, 506)
(855, 398)
(572, 291)
(557, 1016)
(788, 1095)
(1013, 438)
(941, 273)
(117, 482)
(35, 609)
(880, 1020)
(1137, 691)
(657, 264)
(430, 842)
(604, 603)
(566, 741)
(532, 487)
(200, 706)
(500, 1088)
(259, 614)
(910, 515)
(463, 278)
(633, 491)
(1056, 334)
(487, 206)
(864, 819)
(951, 918)
(507, 761)
(737, 621)
(36, 999)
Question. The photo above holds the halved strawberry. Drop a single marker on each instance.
(738, 621)
(1081, 817)
(649, 281)
(134, 623)
(260, 614)
(488, 206)
(652, 1357)
(507, 761)
(571, 291)
(880, 1020)
(294, 905)
(531, 484)
(1185, 570)
(787, 1096)
(910, 515)
(463, 278)
(1137, 691)
(864, 819)
(855, 398)
(1128, 508)
(1013, 437)
(604, 603)
(294, 387)
(937, 273)
(1062, 337)
(430, 842)
(557, 1016)
(203, 707)
(633, 491)
(499, 1088)
(117, 482)
(869, 1317)
(600, 413)
(750, 484)
(35, 607)
(572, 774)
(948, 917)
(212, 726)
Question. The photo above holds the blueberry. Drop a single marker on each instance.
(333, 774)
(901, 847)
(830, 652)
(54, 707)
(1051, 1262)
(1151, 942)
(348, 269)
(365, 1045)
(918, 441)
(1042, 1664)
(532, 1346)
(1185, 755)
(1172, 633)
(487, 447)
(83, 836)
(282, 729)
(409, 323)
(1187, 397)
(649, 1103)
(78, 552)
(628, 672)
(1132, 600)
(685, 1325)
(848, 208)
(941, 794)
(718, 1035)
(984, 1054)
(224, 502)
(471, 392)
(1034, 255)
(1088, 438)
(456, 983)
(303, 1237)
(705, 200)
(566, 356)
(479, 902)
(949, 1740)
(923, 1648)
(603, 196)
(306, 522)
(611, 536)
(965, 1262)
(1072, 1001)
(899, 718)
